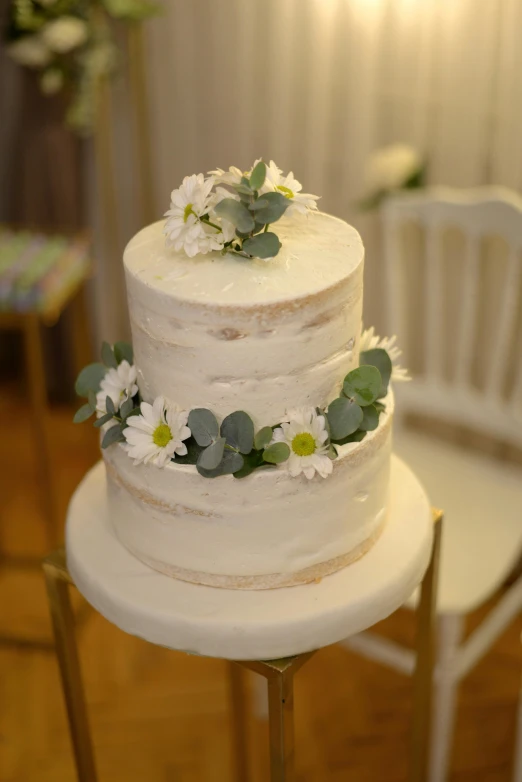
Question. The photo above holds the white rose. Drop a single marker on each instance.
(62, 35)
(30, 51)
(51, 81)
(390, 168)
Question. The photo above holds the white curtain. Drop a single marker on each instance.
(317, 84)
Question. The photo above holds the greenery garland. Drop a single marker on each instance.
(233, 447)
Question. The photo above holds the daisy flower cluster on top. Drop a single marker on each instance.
(232, 211)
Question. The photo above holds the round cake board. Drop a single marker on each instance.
(248, 625)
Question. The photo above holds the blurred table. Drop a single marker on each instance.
(41, 275)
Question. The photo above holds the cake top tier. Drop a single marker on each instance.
(318, 251)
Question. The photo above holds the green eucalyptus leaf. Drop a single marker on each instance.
(378, 358)
(238, 430)
(123, 352)
(89, 379)
(344, 417)
(236, 213)
(355, 437)
(109, 405)
(230, 463)
(113, 435)
(251, 462)
(263, 437)
(379, 407)
(244, 190)
(134, 411)
(332, 452)
(264, 245)
(258, 175)
(370, 419)
(193, 452)
(277, 206)
(363, 385)
(83, 414)
(260, 203)
(210, 458)
(203, 425)
(126, 408)
(277, 453)
(91, 397)
(103, 420)
(108, 357)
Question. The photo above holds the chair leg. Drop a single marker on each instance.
(451, 628)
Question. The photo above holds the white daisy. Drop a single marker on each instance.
(306, 435)
(370, 341)
(231, 177)
(291, 188)
(157, 434)
(184, 229)
(119, 384)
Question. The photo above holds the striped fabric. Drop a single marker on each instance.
(39, 273)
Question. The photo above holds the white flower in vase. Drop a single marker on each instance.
(64, 34)
(306, 435)
(391, 167)
(157, 434)
(370, 341)
(30, 51)
(184, 228)
(290, 188)
(51, 81)
(119, 384)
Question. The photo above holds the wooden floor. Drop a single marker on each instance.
(161, 716)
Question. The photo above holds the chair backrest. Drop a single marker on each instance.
(452, 393)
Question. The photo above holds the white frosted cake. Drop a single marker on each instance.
(278, 339)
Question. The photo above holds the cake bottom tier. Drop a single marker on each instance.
(266, 531)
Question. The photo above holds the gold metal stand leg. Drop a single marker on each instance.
(57, 580)
(423, 677)
(239, 723)
(280, 677)
(35, 373)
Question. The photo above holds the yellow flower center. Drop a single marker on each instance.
(285, 191)
(162, 435)
(303, 444)
(188, 211)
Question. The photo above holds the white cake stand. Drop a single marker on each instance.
(247, 626)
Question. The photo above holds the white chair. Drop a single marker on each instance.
(481, 497)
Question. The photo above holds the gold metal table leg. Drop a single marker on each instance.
(35, 373)
(280, 678)
(239, 723)
(423, 677)
(58, 580)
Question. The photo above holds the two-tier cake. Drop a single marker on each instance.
(247, 436)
